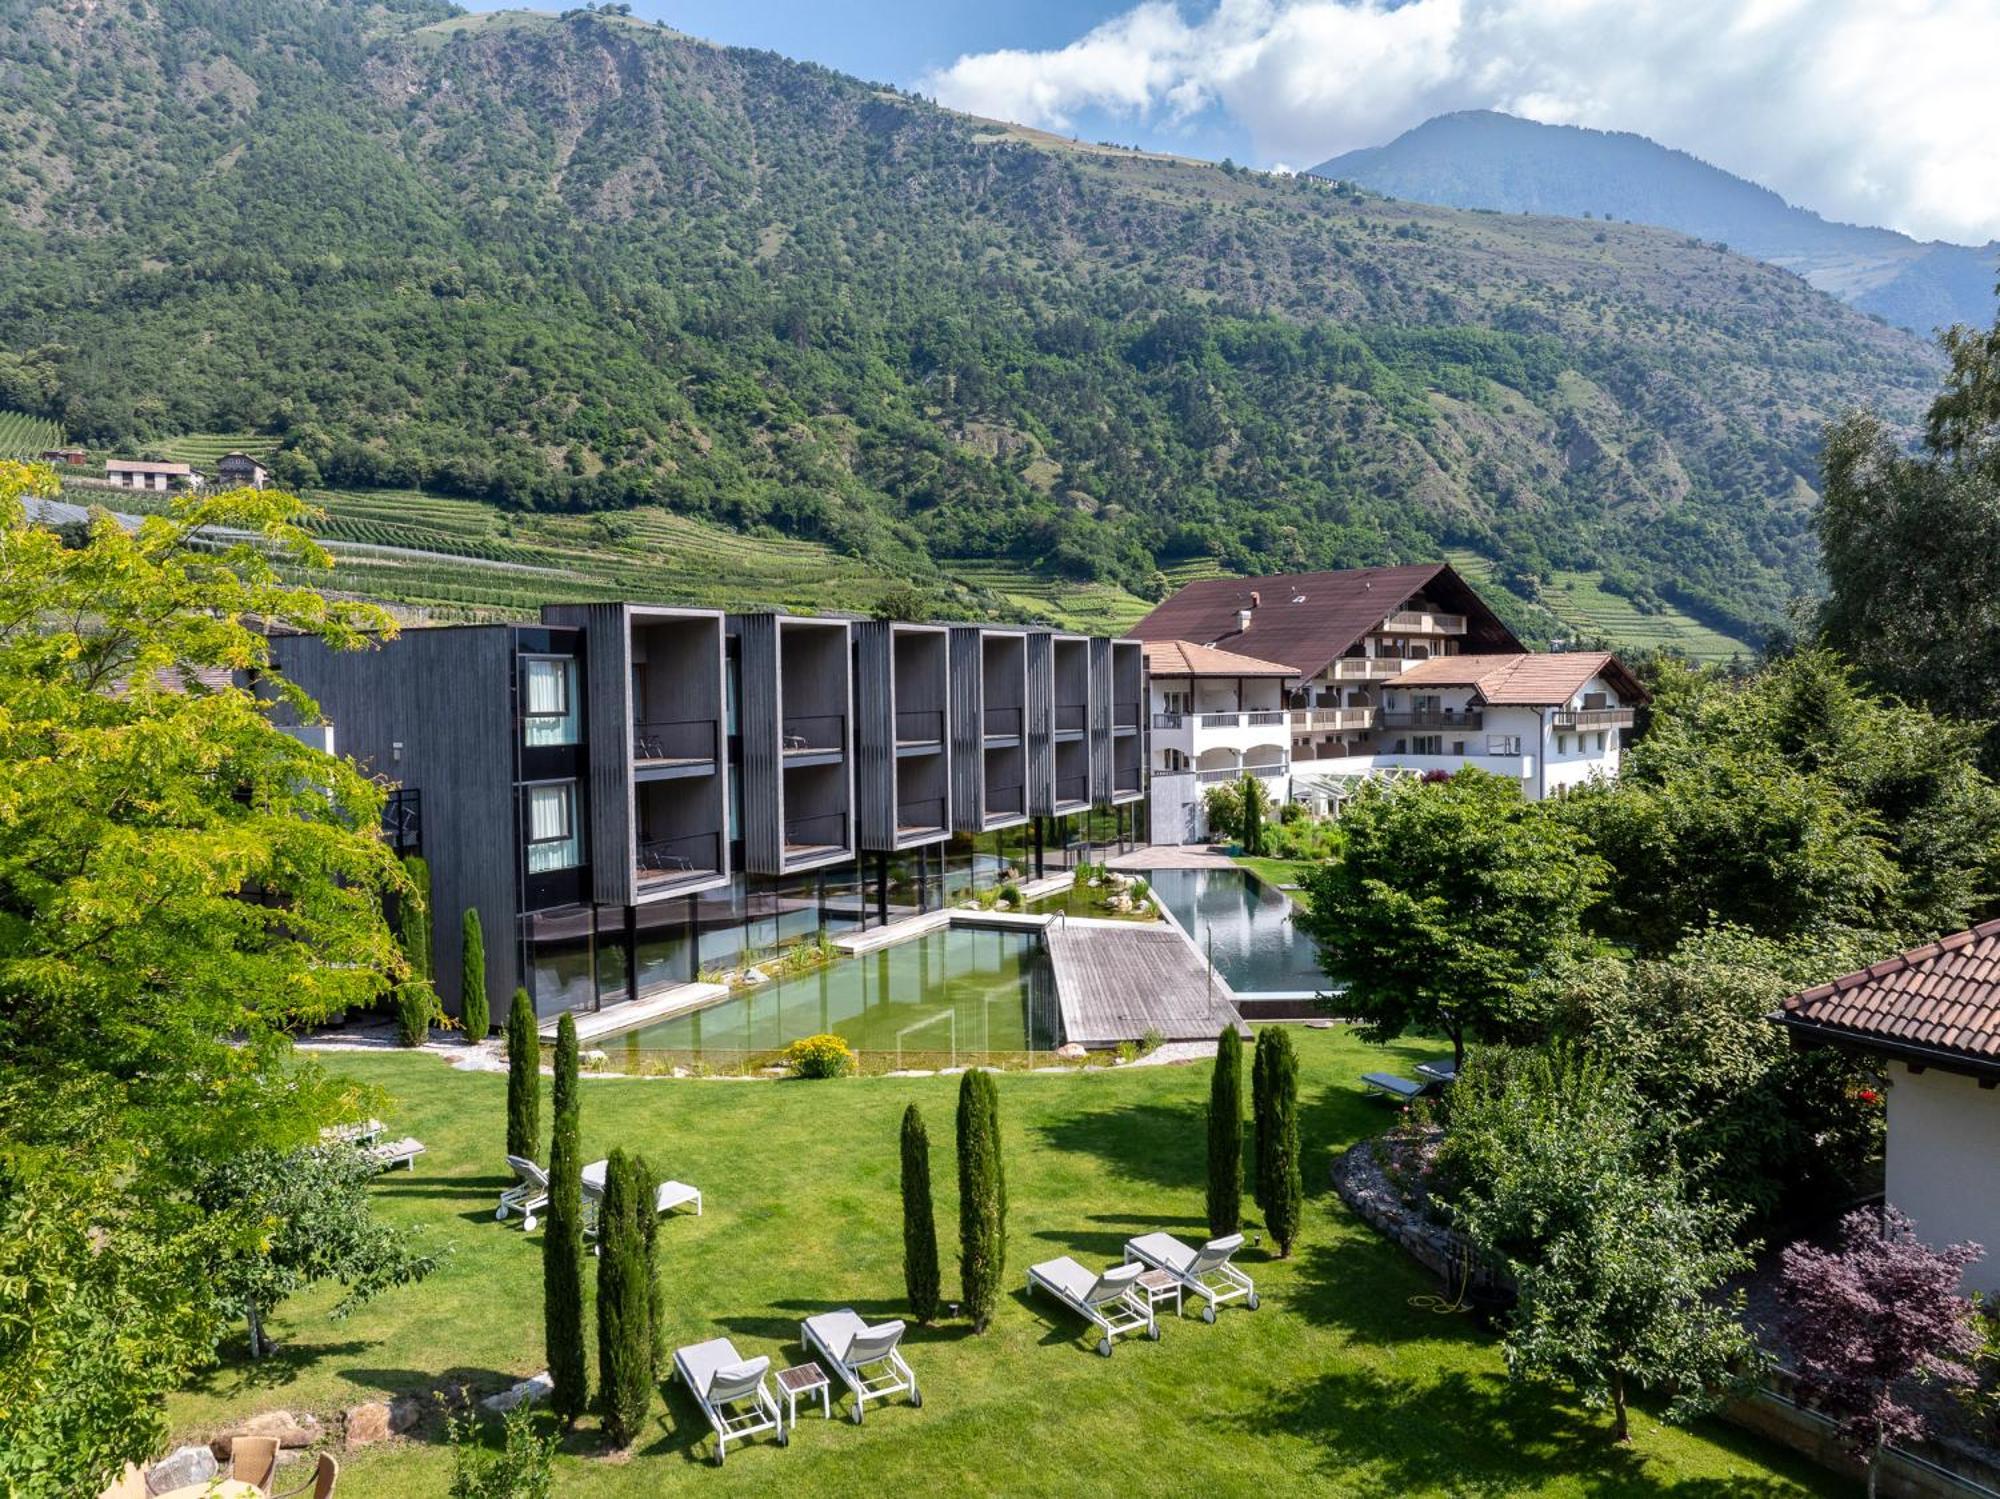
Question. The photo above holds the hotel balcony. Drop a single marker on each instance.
(902, 687)
(1423, 622)
(988, 727)
(1592, 718)
(1432, 718)
(1368, 668)
(795, 718)
(1334, 720)
(1059, 711)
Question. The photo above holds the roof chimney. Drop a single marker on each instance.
(1243, 615)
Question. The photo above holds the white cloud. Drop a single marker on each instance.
(1876, 111)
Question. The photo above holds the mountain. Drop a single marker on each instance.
(1483, 160)
(585, 263)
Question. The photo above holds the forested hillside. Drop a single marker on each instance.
(586, 263)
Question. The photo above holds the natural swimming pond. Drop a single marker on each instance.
(1246, 925)
(947, 998)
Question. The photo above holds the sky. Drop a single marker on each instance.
(1869, 111)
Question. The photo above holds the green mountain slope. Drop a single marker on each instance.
(587, 263)
(1483, 159)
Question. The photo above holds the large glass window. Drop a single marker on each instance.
(548, 701)
(555, 840)
(664, 944)
(558, 948)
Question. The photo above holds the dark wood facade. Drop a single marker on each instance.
(902, 677)
(795, 719)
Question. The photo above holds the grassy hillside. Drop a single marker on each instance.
(582, 264)
(1576, 607)
(24, 436)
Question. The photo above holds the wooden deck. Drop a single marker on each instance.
(1117, 981)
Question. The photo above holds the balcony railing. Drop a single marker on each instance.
(920, 816)
(920, 726)
(677, 858)
(1072, 789)
(1003, 723)
(1432, 718)
(1424, 622)
(1169, 720)
(828, 830)
(1593, 718)
(1368, 668)
(1315, 720)
(806, 733)
(1222, 773)
(673, 740)
(1004, 801)
(1125, 715)
(1072, 718)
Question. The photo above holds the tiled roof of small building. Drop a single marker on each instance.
(1532, 679)
(1183, 658)
(1943, 997)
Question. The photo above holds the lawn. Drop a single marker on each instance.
(1339, 1384)
(1277, 871)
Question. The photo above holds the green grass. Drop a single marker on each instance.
(1579, 602)
(1339, 1384)
(205, 449)
(1276, 871)
(1100, 608)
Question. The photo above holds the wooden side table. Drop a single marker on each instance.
(1158, 1286)
(803, 1379)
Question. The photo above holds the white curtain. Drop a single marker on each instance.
(549, 701)
(553, 842)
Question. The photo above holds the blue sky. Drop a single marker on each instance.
(1871, 111)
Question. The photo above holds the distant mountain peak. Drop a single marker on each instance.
(1485, 159)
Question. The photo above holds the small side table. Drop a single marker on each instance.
(1158, 1286)
(803, 1379)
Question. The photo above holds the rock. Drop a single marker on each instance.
(378, 1420)
(179, 1468)
(756, 976)
(529, 1391)
(290, 1430)
(1003, 905)
(1071, 1051)
(595, 1057)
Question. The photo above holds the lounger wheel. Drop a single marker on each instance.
(500, 1213)
(784, 1437)
(528, 1224)
(917, 1399)
(1104, 1347)
(1155, 1333)
(720, 1453)
(857, 1413)
(1252, 1303)
(1208, 1311)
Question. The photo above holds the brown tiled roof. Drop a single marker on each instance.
(1183, 658)
(1941, 998)
(1304, 620)
(1532, 679)
(145, 466)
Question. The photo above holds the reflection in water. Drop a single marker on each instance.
(1246, 924)
(951, 994)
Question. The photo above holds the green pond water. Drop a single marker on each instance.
(946, 998)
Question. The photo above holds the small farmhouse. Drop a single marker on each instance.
(240, 471)
(137, 473)
(1933, 1016)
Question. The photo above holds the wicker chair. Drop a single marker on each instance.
(324, 1477)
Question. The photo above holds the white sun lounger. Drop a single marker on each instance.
(666, 1197)
(853, 1348)
(731, 1391)
(1206, 1272)
(1109, 1301)
(529, 1194)
(390, 1153)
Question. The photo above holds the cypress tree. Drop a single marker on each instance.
(1253, 814)
(920, 1252)
(982, 1197)
(1262, 1060)
(656, 1317)
(1285, 1203)
(416, 1000)
(524, 1079)
(624, 1301)
(562, 1245)
(473, 1009)
(1225, 1136)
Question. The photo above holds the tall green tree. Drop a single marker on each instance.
(1225, 1136)
(624, 1299)
(920, 1251)
(1274, 1088)
(562, 1240)
(1254, 807)
(982, 1197)
(145, 1006)
(1445, 905)
(416, 996)
(524, 1079)
(473, 1011)
(1618, 1268)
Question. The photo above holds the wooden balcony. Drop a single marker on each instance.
(1368, 668)
(1338, 720)
(1423, 622)
(1593, 718)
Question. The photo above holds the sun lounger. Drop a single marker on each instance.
(1439, 1070)
(529, 1194)
(390, 1153)
(1110, 1302)
(666, 1197)
(363, 1132)
(1390, 1086)
(852, 1349)
(731, 1392)
(1205, 1272)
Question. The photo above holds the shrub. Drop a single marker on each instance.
(920, 1253)
(1225, 1136)
(416, 1012)
(1224, 805)
(524, 1468)
(524, 1079)
(1151, 1042)
(562, 1245)
(982, 1196)
(820, 1056)
(624, 1300)
(1011, 893)
(473, 1011)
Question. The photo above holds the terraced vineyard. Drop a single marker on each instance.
(1581, 606)
(24, 436)
(1100, 608)
(205, 449)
